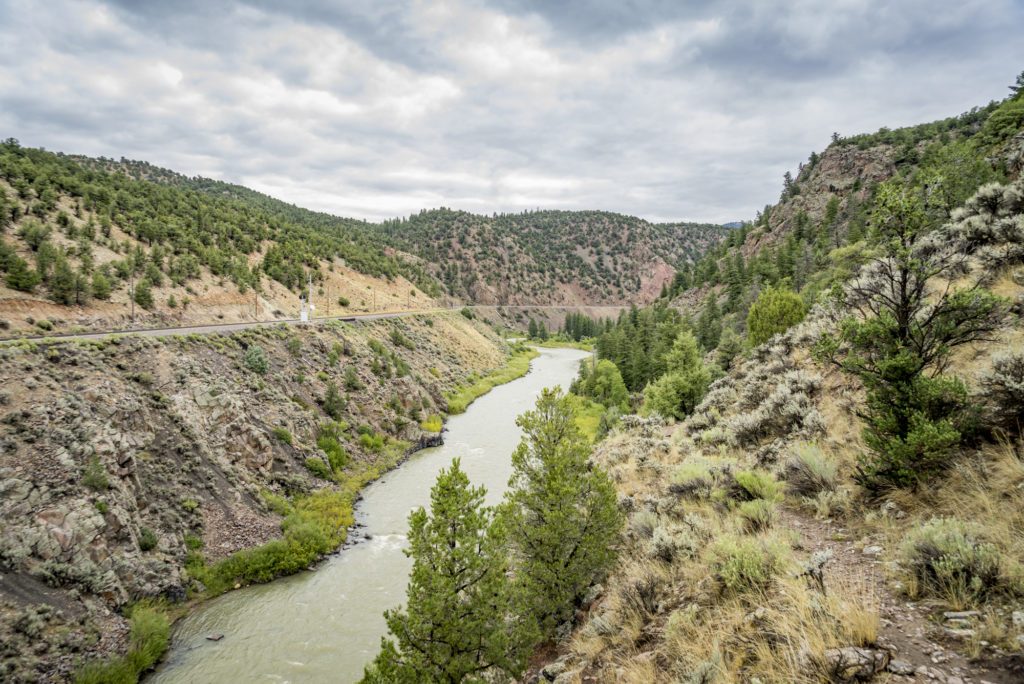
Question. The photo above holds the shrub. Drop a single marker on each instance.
(343, 301)
(754, 484)
(44, 324)
(432, 423)
(1003, 391)
(193, 543)
(667, 544)
(401, 340)
(294, 346)
(433, 371)
(377, 347)
(826, 504)
(334, 403)
(101, 506)
(691, 480)
(336, 351)
(757, 515)
(467, 312)
(743, 564)
(775, 311)
(328, 442)
(371, 442)
(948, 559)
(317, 467)
(282, 435)
(352, 379)
(255, 360)
(95, 476)
(147, 539)
(809, 471)
(149, 636)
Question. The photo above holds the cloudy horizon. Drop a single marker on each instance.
(653, 108)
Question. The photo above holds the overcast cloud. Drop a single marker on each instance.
(664, 109)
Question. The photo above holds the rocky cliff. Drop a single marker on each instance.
(118, 458)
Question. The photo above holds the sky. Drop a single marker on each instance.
(670, 110)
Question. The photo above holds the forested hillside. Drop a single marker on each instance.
(82, 238)
(551, 257)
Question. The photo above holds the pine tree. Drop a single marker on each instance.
(680, 389)
(144, 294)
(62, 281)
(561, 513)
(457, 624)
(100, 286)
(20, 277)
(709, 325)
(898, 338)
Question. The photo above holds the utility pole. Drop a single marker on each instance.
(133, 292)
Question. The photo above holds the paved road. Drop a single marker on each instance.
(231, 327)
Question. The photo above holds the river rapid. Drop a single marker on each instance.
(327, 625)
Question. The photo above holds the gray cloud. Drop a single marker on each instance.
(666, 110)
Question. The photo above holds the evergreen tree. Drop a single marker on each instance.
(20, 277)
(457, 624)
(144, 294)
(898, 341)
(680, 389)
(62, 281)
(709, 325)
(775, 311)
(532, 329)
(561, 513)
(100, 286)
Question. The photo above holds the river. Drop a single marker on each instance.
(327, 625)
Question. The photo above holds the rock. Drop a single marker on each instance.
(552, 670)
(873, 550)
(214, 637)
(900, 667)
(960, 633)
(962, 614)
(1018, 619)
(567, 677)
(856, 663)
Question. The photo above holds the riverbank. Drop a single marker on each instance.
(313, 527)
(518, 365)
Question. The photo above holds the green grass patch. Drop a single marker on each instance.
(516, 367)
(432, 424)
(588, 417)
(150, 633)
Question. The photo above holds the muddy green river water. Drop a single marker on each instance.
(325, 626)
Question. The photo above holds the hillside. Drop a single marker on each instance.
(79, 234)
(824, 481)
(550, 257)
(123, 462)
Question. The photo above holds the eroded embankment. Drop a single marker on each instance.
(124, 461)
